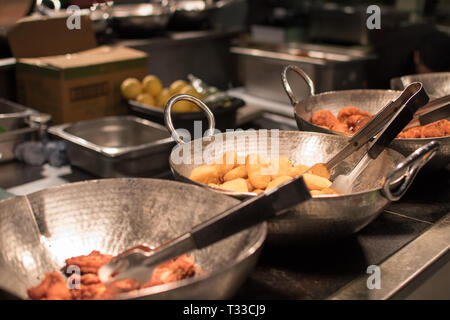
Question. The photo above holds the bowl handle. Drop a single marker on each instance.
(287, 86)
(198, 103)
(395, 186)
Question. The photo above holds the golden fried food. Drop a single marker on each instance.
(176, 269)
(90, 263)
(346, 112)
(258, 170)
(297, 170)
(319, 169)
(239, 185)
(327, 191)
(249, 185)
(52, 287)
(278, 181)
(258, 174)
(281, 167)
(236, 173)
(351, 120)
(55, 287)
(314, 182)
(206, 174)
(227, 162)
(435, 129)
(324, 118)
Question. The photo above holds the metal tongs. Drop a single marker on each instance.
(433, 111)
(386, 125)
(138, 264)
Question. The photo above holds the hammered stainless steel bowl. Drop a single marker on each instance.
(435, 83)
(370, 100)
(39, 231)
(322, 217)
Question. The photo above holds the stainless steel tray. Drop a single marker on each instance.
(331, 68)
(13, 116)
(116, 146)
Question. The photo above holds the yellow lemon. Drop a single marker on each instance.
(176, 86)
(191, 91)
(182, 106)
(152, 85)
(146, 99)
(131, 88)
(162, 98)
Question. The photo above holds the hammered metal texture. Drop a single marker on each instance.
(332, 216)
(371, 101)
(436, 84)
(111, 215)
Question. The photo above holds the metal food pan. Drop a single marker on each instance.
(330, 68)
(116, 146)
(12, 115)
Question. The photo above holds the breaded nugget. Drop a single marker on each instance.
(257, 176)
(258, 180)
(297, 170)
(258, 191)
(226, 162)
(278, 181)
(238, 172)
(239, 185)
(314, 182)
(205, 174)
(249, 185)
(280, 166)
(328, 191)
(319, 169)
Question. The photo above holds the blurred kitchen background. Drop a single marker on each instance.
(244, 43)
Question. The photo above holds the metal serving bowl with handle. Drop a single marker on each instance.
(39, 231)
(436, 83)
(320, 217)
(369, 100)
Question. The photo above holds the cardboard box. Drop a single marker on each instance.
(49, 36)
(79, 86)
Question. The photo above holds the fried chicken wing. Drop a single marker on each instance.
(55, 287)
(176, 269)
(52, 287)
(346, 112)
(324, 118)
(90, 263)
(435, 129)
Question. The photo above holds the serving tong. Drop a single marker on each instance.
(433, 111)
(138, 264)
(379, 133)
